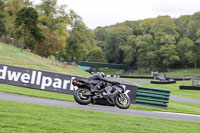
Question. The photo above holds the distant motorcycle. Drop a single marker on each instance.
(84, 94)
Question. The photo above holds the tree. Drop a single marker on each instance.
(27, 19)
(196, 50)
(144, 26)
(115, 42)
(194, 26)
(2, 20)
(169, 55)
(146, 53)
(48, 7)
(55, 18)
(185, 49)
(182, 24)
(96, 55)
(50, 46)
(130, 51)
(162, 28)
(100, 36)
(80, 40)
(47, 12)
(11, 8)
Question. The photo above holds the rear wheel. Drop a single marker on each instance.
(81, 98)
(122, 101)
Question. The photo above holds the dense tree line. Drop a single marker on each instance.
(43, 29)
(153, 44)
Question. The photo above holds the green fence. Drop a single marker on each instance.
(101, 65)
(152, 97)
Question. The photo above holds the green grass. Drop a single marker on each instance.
(176, 107)
(33, 61)
(23, 118)
(171, 73)
(35, 93)
(184, 72)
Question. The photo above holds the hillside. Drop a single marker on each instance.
(10, 55)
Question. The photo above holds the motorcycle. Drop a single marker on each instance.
(84, 94)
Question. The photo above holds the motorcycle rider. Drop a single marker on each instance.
(99, 80)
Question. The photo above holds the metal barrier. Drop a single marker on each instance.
(101, 65)
(152, 97)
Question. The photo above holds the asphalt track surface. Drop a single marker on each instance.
(97, 108)
(185, 100)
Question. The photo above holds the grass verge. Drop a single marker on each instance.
(33, 61)
(22, 118)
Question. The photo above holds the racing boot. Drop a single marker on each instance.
(94, 97)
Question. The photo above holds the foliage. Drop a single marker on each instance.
(11, 8)
(146, 52)
(26, 18)
(153, 44)
(95, 55)
(2, 20)
(54, 17)
(50, 46)
(185, 49)
(80, 40)
(169, 54)
(115, 42)
(47, 11)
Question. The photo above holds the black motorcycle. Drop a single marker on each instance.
(84, 94)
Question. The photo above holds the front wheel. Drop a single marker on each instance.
(122, 101)
(81, 98)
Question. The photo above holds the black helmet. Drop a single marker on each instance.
(101, 74)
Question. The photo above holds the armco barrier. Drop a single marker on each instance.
(152, 97)
(101, 65)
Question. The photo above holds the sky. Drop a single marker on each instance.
(96, 13)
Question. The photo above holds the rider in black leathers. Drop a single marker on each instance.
(99, 80)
